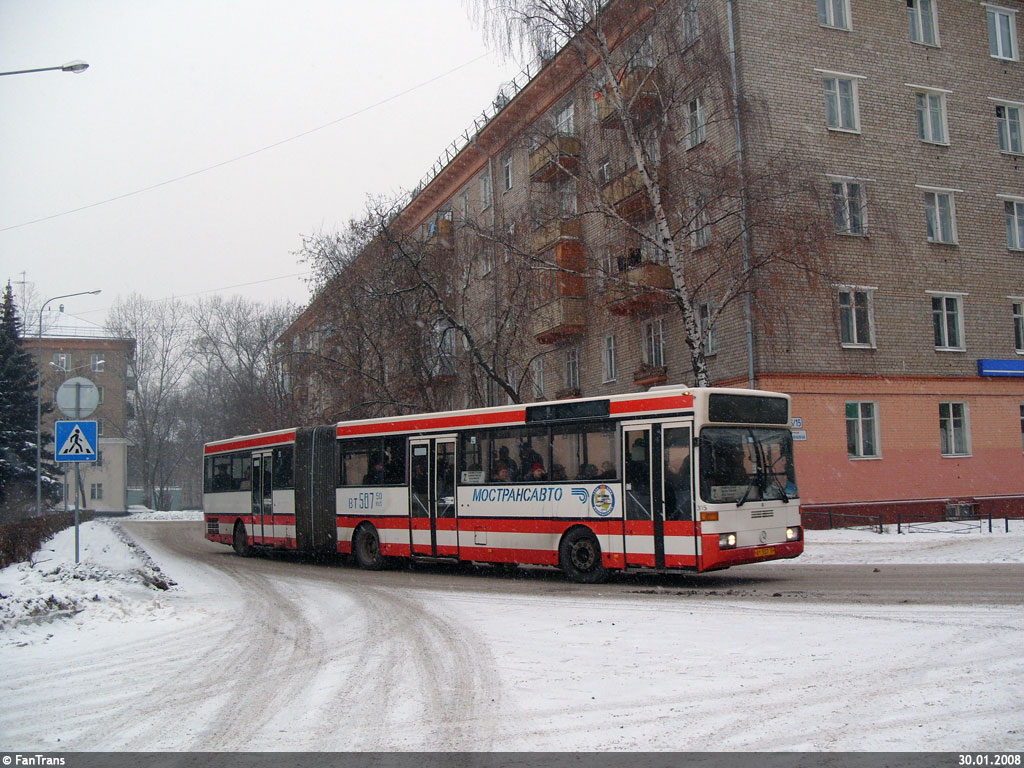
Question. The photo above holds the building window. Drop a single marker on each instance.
(947, 321)
(96, 491)
(99, 391)
(848, 208)
(954, 429)
(841, 108)
(485, 190)
(99, 458)
(465, 208)
(940, 214)
(708, 331)
(1022, 426)
(924, 28)
(862, 430)
(99, 427)
(506, 172)
(834, 13)
(572, 367)
(931, 117)
(604, 170)
(1002, 33)
(608, 359)
(60, 360)
(696, 123)
(691, 22)
(643, 58)
(96, 363)
(1008, 116)
(856, 328)
(564, 121)
(654, 342)
(700, 224)
(1014, 224)
(1018, 327)
(538, 379)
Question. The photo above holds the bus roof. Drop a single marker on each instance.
(656, 400)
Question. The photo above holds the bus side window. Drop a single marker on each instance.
(284, 475)
(394, 460)
(472, 449)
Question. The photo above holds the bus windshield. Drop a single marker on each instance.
(741, 464)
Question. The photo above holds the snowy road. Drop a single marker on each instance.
(271, 654)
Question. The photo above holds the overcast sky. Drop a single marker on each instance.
(176, 87)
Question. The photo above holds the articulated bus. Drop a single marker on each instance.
(671, 479)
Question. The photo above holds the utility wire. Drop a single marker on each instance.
(221, 164)
(205, 291)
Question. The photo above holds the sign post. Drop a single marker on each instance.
(76, 441)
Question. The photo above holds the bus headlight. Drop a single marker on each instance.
(793, 534)
(727, 541)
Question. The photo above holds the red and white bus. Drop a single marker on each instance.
(674, 478)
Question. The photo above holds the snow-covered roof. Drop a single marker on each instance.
(60, 325)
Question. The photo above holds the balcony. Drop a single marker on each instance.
(440, 234)
(554, 157)
(648, 375)
(561, 318)
(441, 368)
(641, 90)
(551, 233)
(626, 194)
(640, 289)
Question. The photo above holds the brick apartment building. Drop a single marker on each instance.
(71, 348)
(906, 365)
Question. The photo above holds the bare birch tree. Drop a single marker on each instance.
(682, 191)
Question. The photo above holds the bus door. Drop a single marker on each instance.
(659, 497)
(643, 534)
(262, 497)
(432, 497)
(680, 532)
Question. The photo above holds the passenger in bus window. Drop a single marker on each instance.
(246, 483)
(504, 458)
(558, 472)
(501, 473)
(222, 480)
(677, 492)
(607, 471)
(588, 472)
(537, 473)
(375, 475)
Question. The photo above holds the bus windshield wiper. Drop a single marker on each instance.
(755, 483)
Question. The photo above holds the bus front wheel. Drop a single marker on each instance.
(580, 557)
(366, 547)
(240, 541)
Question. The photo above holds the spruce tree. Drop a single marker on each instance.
(18, 374)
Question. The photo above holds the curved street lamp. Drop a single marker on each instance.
(39, 402)
(77, 66)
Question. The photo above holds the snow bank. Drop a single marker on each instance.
(114, 580)
(918, 544)
(145, 514)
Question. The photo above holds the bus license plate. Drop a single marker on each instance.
(764, 551)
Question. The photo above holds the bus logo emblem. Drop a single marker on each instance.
(603, 500)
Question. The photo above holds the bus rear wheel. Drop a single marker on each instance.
(240, 541)
(580, 557)
(366, 548)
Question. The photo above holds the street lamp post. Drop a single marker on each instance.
(39, 402)
(77, 67)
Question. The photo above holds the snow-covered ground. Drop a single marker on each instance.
(133, 650)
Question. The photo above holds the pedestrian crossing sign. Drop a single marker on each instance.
(75, 440)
